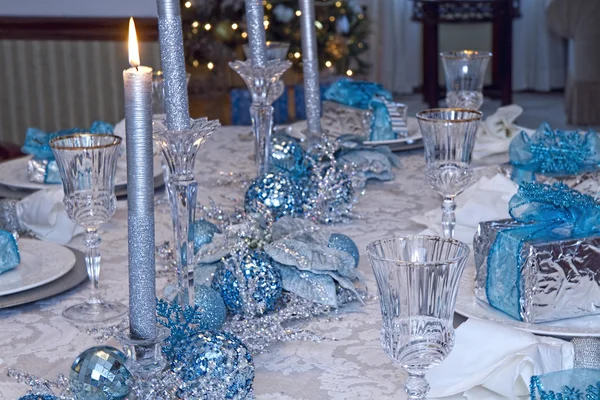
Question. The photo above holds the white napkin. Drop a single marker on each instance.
(44, 215)
(486, 200)
(497, 130)
(491, 361)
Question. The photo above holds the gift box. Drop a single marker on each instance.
(544, 264)
(240, 107)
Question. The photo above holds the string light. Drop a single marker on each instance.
(360, 45)
(298, 13)
(318, 24)
(195, 24)
(338, 4)
(266, 24)
(297, 55)
(332, 18)
(269, 6)
(244, 35)
(328, 64)
(195, 63)
(188, 4)
(360, 16)
(207, 27)
(349, 72)
(234, 26)
(210, 65)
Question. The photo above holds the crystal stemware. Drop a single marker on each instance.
(448, 136)
(465, 71)
(87, 164)
(418, 279)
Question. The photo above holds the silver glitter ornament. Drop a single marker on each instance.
(275, 193)
(99, 373)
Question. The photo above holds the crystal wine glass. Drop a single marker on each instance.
(418, 279)
(448, 136)
(87, 164)
(465, 71)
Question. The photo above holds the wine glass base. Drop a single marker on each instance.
(95, 312)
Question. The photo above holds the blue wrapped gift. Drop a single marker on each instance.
(544, 264)
(42, 167)
(240, 107)
(570, 384)
(9, 251)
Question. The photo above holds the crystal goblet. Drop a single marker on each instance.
(465, 71)
(418, 279)
(87, 164)
(448, 137)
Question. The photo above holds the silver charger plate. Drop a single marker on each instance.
(71, 279)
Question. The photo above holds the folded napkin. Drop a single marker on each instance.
(492, 362)
(497, 130)
(486, 200)
(43, 213)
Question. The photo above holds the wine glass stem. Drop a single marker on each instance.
(416, 386)
(92, 262)
(262, 125)
(448, 217)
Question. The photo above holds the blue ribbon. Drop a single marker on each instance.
(546, 212)
(570, 384)
(554, 152)
(37, 142)
(9, 251)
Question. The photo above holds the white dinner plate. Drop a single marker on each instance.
(41, 262)
(13, 174)
(469, 306)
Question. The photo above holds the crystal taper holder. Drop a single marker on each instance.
(260, 80)
(179, 149)
(144, 356)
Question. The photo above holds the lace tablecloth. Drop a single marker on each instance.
(348, 364)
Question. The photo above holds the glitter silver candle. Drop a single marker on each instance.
(310, 67)
(140, 194)
(170, 38)
(256, 32)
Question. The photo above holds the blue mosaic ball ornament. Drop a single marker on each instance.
(99, 373)
(344, 243)
(203, 233)
(211, 308)
(287, 156)
(261, 286)
(277, 193)
(216, 365)
(38, 397)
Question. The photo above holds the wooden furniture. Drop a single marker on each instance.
(431, 13)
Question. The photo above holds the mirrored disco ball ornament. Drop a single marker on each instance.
(342, 242)
(274, 192)
(211, 308)
(99, 373)
(250, 286)
(287, 156)
(215, 365)
(203, 233)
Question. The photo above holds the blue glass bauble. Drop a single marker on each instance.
(211, 308)
(216, 363)
(99, 373)
(276, 193)
(287, 156)
(38, 397)
(344, 243)
(262, 284)
(203, 233)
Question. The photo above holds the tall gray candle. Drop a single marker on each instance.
(310, 66)
(170, 38)
(256, 32)
(140, 194)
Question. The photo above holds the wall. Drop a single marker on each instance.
(78, 8)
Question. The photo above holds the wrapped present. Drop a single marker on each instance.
(363, 108)
(9, 251)
(544, 264)
(240, 107)
(42, 167)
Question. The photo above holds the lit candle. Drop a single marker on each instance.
(140, 194)
(310, 66)
(256, 32)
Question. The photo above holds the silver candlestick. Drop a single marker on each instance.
(310, 67)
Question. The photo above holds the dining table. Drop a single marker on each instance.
(344, 360)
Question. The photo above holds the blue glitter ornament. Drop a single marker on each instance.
(203, 233)
(342, 242)
(38, 397)
(211, 308)
(287, 156)
(260, 289)
(277, 193)
(99, 373)
(216, 363)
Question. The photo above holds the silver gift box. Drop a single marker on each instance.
(43, 171)
(558, 279)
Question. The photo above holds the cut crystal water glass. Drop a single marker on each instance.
(465, 72)
(448, 137)
(87, 164)
(418, 279)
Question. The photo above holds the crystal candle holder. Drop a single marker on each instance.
(179, 149)
(260, 81)
(144, 356)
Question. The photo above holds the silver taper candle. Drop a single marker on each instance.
(140, 202)
(256, 32)
(310, 66)
(170, 38)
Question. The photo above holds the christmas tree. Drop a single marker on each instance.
(214, 31)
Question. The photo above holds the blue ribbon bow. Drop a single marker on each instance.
(37, 142)
(555, 152)
(547, 212)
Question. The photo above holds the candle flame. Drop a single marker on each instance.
(134, 52)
